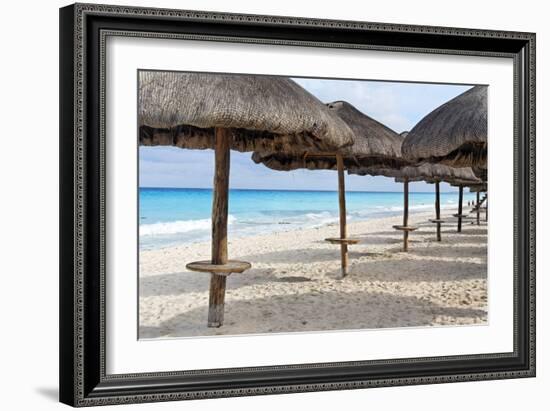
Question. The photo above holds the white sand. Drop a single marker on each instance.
(294, 286)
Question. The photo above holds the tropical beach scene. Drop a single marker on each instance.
(272, 204)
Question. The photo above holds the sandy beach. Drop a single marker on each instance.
(294, 282)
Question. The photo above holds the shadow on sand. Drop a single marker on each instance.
(359, 310)
(424, 270)
(450, 251)
(178, 283)
(382, 267)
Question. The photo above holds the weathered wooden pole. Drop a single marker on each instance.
(405, 214)
(342, 209)
(478, 206)
(219, 226)
(438, 210)
(460, 194)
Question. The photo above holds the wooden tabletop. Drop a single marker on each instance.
(232, 266)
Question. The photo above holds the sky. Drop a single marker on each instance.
(397, 105)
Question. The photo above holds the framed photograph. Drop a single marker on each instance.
(261, 204)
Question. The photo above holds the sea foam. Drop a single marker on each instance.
(179, 227)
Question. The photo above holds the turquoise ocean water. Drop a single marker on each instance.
(172, 216)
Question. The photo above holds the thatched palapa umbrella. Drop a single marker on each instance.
(468, 181)
(437, 173)
(223, 112)
(430, 173)
(404, 178)
(475, 187)
(481, 173)
(479, 188)
(397, 173)
(375, 145)
(454, 134)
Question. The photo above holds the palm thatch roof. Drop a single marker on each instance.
(453, 134)
(385, 170)
(480, 173)
(479, 188)
(427, 172)
(376, 171)
(375, 145)
(438, 172)
(262, 112)
(465, 183)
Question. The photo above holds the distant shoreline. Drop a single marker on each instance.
(279, 227)
(290, 190)
(182, 215)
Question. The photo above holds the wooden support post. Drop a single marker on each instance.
(460, 195)
(486, 207)
(219, 226)
(438, 210)
(478, 206)
(342, 209)
(406, 214)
